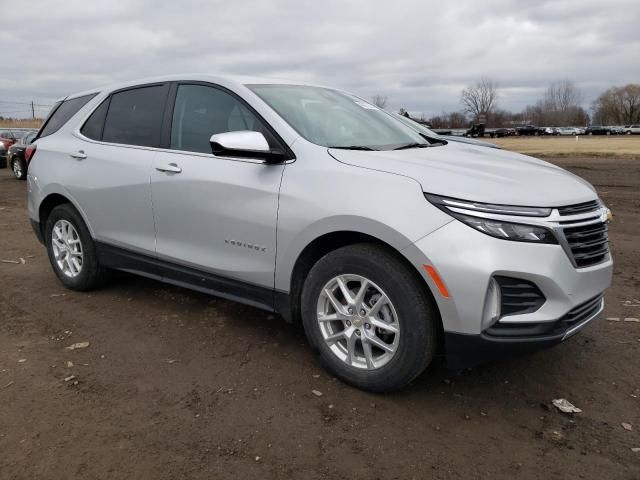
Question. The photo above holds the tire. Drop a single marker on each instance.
(91, 274)
(412, 310)
(19, 169)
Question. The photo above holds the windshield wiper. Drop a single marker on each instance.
(356, 147)
(413, 145)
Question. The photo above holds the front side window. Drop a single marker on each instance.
(134, 117)
(62, 113)
(201, 111)
(333, 119)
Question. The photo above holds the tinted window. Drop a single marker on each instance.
(134, 116)
(202, 111)
(28, 138)
(63, 113)
(92, 128)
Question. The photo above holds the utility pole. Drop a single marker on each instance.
(33, 111)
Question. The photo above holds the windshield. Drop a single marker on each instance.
(337, 120)
(418, 127)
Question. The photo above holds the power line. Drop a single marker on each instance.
(27, 103)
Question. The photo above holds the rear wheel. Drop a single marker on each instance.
(71, 250)
(368, 318)
(19, 169)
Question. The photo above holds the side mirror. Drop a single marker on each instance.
(244, 144)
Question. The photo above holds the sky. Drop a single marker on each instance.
(418, 53)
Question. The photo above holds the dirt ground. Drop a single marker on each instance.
(178, 385)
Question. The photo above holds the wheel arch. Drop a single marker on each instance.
(51, 201)
(329, 242)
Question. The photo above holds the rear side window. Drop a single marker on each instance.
(63, 113)
(134, 117)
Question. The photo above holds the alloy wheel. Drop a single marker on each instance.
(358, 322)
(17, 168)
(67, 248)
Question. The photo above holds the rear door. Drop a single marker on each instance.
(113, 165)
(212, 213)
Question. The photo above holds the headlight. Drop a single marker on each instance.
(487, 222)
(518, 232)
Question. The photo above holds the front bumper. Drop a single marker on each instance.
(464, 351)
(467, 260)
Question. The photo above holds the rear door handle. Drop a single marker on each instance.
(169, 168)
(79, 155)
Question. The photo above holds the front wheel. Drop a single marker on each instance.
(367, 316)
(19, 169)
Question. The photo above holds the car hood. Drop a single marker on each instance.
(478, 173)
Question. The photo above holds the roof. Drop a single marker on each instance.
(224, 80)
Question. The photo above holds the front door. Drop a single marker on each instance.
(211, 213)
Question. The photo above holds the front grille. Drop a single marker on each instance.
(571, 319)
(518, 296)
(588, 243)
(578, 208)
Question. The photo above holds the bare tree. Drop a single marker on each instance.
(480, 98)
(449, 120)
(561, 101)
(403, 112)
(564, 95)
(618, 105)
(380, 101)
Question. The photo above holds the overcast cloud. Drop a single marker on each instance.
(418, 53)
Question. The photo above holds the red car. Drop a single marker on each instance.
(9, 136)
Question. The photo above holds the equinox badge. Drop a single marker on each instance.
(250, 246)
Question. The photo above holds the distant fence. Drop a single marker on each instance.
(21, 123)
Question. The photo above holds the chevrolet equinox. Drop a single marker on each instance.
(390, 246)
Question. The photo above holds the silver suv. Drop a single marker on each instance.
(390, 246)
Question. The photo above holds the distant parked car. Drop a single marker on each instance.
(500, 132)
(631, 129)
(8, 136)
(597, 130)
(550, 131)
(569, 131)
(17, 156)
(427, 133)
(529, 130)
(615, 130)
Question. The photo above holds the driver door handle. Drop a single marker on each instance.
(169, 168)
(79, 155)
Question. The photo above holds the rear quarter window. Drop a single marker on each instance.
(62, 113)
(94, 125)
